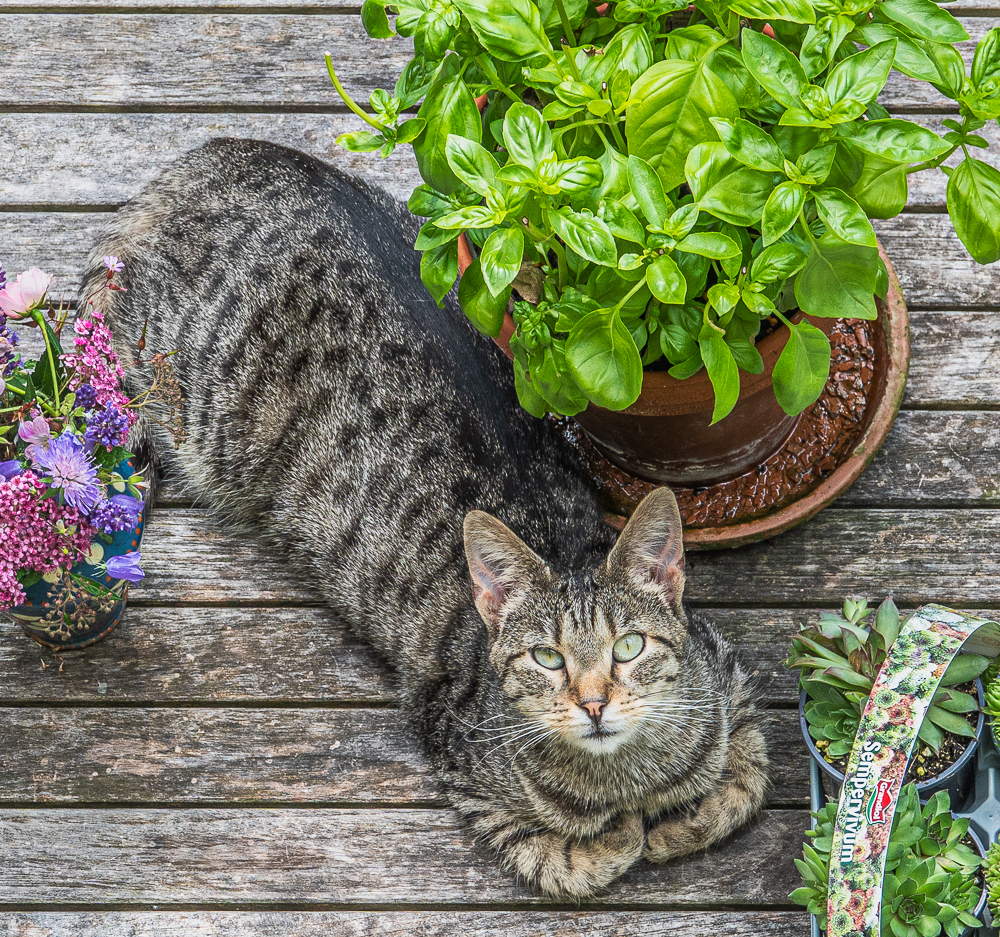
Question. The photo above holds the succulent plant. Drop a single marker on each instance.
(839, 659)
(991, 869)
(930, 883)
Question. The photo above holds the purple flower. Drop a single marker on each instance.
(68, 467)
(125, 567)
(119, 512)
(9, 470)
(3, 275)
(113, 264)
(36, 434)
(86, 397)
(109, 427)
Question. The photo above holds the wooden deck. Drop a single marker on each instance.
(232, 761)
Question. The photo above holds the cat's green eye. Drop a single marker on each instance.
(548, 657)
(628, 647)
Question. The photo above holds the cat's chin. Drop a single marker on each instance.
(599, 743)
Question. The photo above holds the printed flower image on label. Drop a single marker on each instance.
(879, 801)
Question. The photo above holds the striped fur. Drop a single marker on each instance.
(334, 409)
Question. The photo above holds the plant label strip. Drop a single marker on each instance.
(902, 693)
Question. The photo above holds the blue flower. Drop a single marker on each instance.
(125, 567)
(119, 512)
(9, 470)
(66, 466)
(107, 427)
(86, 397)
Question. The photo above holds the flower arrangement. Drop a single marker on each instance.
(839, 658)
(67, 481)
(681, 191)
(930, 886)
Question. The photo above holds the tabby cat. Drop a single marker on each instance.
(577, 718)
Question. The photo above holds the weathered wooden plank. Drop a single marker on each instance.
(128, 755)
(842, 550)
(933, 266)
(213, 655)
(223, 61)
(76, 159)
(317, 856)
(525, 923)
(954, 358)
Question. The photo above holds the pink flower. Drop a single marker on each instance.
(36, 434)
(19, 297)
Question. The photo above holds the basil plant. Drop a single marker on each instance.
(659, 193)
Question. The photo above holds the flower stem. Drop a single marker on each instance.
(39, 320)
(567, 29)
(367, 118)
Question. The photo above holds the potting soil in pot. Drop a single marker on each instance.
(824, 437)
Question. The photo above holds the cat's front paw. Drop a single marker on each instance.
(676, 837)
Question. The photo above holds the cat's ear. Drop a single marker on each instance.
(650, 550)
(502, 566)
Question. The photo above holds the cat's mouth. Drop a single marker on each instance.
(600, 732)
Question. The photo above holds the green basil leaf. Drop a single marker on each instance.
(910, 58)
(474, 217)
(551, 20)
(782, 209)
(724, 187)
(438, 269)
(526, 136)
(881, 189)
(527, 396)
(516, 174)
(815, 165)
(621, 222)
(577, 175)
(485, 311)
(838, 280)
(665, 281)
(553, 379)
(898, 140)
(688, 368)
(575, 93)
(860, 77)
(986, 61)
(430, 235)
(648, 192)
(950, 67)
(777, 262)
(842, 215)
(615, 169)
(448, 108)
(501, 258)
(746, 356)
(628, 51)
(510, 30)
(748, 143)
(604, 361)
(710, 244)
(794, 11)
(427, 203)
(722, 370)
(727, 63)
(822, 42)
(802, 368)
(360, 141)
(777, 69)
(974, 206)
(925, 19)
(374, 20)
(472, 163)
(723, 297)
(410, 129)
(673, 104)
(587, 235)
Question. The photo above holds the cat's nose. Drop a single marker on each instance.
(595, 709)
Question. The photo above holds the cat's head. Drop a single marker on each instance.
(591, 659)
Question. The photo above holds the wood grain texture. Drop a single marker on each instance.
(954, 358)
(164, 656)
(934, 268)
(344, 857)
(226, 61)
(527, 923)
(130, 755)
(77, 159)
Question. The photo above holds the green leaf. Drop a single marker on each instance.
(604, 361)
(552, 378)
(621, 222)
(42, 376)
(795, 11)
(710, 244)
(665, 281)
(950, 722)
(897, 139)
(472, 163)
(881, 189)
(781, 210)
(838, 280)
(427, 203)
(964, 668)
(475, 216)
(374, 20)
(485, 311)
(526, 136)
(986, 61)
(777, 69)
(438, 269)
(648, 191)
(822, 42)
(501, 258)
(925, 19)
(974, 205)
(510, 30)
(360, 141)
(721, 368)
(842, 215)
(410, 129)
(802, 368)
(724, 187)
(576, 175)
(777, 262)
(587, 235)
(673, 104)
(449, 108)
(527, 396)
(749, 144)
(860, 77)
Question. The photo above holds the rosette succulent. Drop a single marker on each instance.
(839, 658)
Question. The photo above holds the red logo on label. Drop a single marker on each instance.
(879, 802)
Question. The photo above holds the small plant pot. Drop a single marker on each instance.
(958, 779)
(52, 622)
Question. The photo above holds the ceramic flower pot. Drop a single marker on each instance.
(58, 619)
(958, 779)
